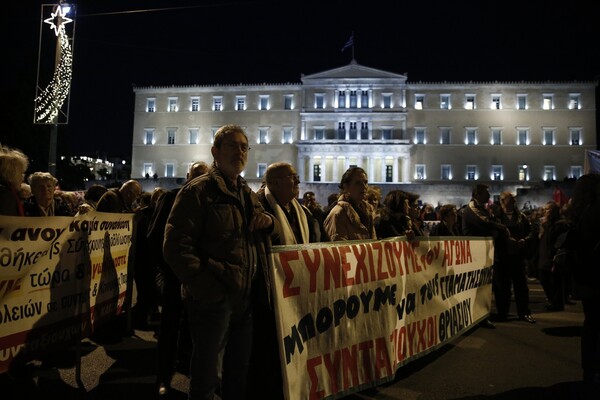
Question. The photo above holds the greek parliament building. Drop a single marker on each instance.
(509, 135)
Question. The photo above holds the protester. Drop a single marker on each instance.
(174, 342)
(44, 202)
(309, 200)
(552, 279)
(584, 214)
(510, 270)
(13, 164)
(395, 219)
(448, 222)
(120, 200)
(477, 221)
(91, 197)
(25, 191)
(216, 241)
(298, 226)
(352, 217)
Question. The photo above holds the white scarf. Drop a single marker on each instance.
(287, 236)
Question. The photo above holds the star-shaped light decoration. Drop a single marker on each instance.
(60, 16)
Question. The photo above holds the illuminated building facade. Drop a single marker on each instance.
(514, 133)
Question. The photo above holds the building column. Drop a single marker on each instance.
(311, 167)
(406, 173)
(335, 177)
(300, 168)
(370, 167)
(395, 170)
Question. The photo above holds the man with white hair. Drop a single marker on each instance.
(298, 226)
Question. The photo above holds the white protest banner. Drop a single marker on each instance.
(349, 314)
(59, 278)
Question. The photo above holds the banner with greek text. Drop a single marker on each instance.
(349, 314)
(60, 277)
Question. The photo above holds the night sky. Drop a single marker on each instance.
(184, 42)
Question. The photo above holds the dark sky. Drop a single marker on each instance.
(184, 42)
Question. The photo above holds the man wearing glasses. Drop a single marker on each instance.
(216, 242)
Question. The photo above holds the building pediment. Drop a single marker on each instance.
(352, 71)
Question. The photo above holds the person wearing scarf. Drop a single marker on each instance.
(352, 216)
(298, 226)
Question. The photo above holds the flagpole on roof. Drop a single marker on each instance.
(350, 43)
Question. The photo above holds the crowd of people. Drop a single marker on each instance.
(201, 266)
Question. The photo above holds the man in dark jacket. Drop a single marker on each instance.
(216, 241)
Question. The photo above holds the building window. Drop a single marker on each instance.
(288, 136)
(240, 103)
(353, 134)
(470, 102)
(263, 102)
(364, 131)
(576, 171)
(496, 105)
(574, 101)
(353, 99)
(387, 100)
(471, 138)
(263, 135)
(548, 137)
(148, 136)
(419, 101)
(319, 101)
(317, 172)
(172, 104)
(288, 102)
(389, 173)
(342, 99)
(194, 136)
(575, 134)
(444, 135)
(548, 101)
(341, 131)
(446, 172)
(523, 173)
(217, 103)
(213, 130)
(497, 174)
(195, 104)
(364, 99)
(386, 133)
(522, 137)
(151, 105)
(445, 101)
(169, 170)
(261, 169)
(148, 170)
(420, 172)
(171, 135)
(420, 136)
(319, 133)
(496, 136)
(549, 173)
(522, 102)
(471, 172)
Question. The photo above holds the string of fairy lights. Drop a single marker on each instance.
(50, 101)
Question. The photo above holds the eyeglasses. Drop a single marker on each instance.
(244, 148)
